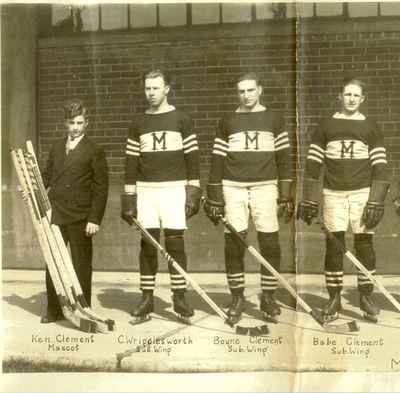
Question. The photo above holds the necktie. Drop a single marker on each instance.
(67, 147)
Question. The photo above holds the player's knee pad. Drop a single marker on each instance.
(270, 249)
(148, 254)
(234, 253)
(175, 245)
(333, 255)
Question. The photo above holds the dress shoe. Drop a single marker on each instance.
(49, 318)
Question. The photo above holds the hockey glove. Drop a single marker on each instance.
(307, 211)
(396, 205)
(193, 199)
(214, 205)
(128, 207)
(375, 207)
(285, 200)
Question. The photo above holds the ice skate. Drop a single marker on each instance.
(369, 308)
(181, 308)
(331, 311)
(269, 307)
(142, 312)
(236, 308)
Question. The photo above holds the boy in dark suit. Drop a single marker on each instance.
(77, 176)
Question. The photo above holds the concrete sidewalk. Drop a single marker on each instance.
(208, 345)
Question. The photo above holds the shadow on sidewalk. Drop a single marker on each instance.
(318, 303)
(33, 304)
(353, 297)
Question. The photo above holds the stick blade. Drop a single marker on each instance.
(343, 328)
(252, 331)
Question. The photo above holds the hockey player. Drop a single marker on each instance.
(251, 173)
(162, 188)
(350, 147)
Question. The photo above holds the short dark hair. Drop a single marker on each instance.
(351, 80)
(74, 107)
(249, 76)
(157, 73)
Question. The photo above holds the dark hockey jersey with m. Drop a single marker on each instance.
(352, 152)
(251, 148)
(161, 150)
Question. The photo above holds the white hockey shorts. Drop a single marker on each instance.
(258, 200)
(342, 208)
(162, 207)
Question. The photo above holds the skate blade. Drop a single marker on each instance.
(269, 318)
(183, 319)
(370, 318)
(139, 320)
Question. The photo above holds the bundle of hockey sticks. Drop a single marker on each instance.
(53, 247)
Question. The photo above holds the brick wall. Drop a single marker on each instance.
(372, 56)
(105, 70)
(107, 76)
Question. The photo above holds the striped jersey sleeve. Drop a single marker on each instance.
(282, 148)
(191, 151)
(218, 155)
(315, 155)
(377, 154)
(132, 154)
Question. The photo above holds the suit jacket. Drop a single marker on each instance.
(78, 182)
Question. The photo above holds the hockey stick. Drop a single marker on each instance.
(65, 257)
(67, 309)
(361, 267)
(341, 329)
(244, 331)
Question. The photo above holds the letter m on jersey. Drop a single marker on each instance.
(347, 150)
(251, 140)
(159, 141)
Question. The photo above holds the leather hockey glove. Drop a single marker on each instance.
(285, 200)
(307, 209)
(214, 205)
(193, 199)
(128, 207)
(396, 205)
(375, 207)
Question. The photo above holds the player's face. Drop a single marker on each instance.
(156, 91)
(249, 94)
(352, 97)
(76, 126)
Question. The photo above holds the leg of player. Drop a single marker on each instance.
(333, 277)
(363, 244)
(175, 246)
(234, 254)
(148, 270)
(271, 251)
